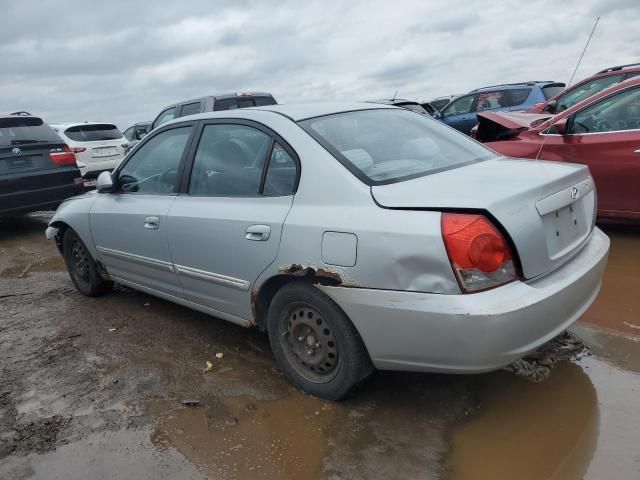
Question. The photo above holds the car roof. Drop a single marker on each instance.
(11, 115)
(221, 96)
(508, 86)
(294, 111)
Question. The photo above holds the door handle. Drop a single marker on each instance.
(152, 223)
(257, 232)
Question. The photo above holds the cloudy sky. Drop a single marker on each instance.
(122, 61)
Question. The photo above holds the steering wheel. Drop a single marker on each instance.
(602, 125)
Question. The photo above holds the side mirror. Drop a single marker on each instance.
(104, 182)
(560, 126)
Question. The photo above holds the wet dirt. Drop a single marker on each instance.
(115, 387)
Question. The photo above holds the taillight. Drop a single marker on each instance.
(478, 252)
(79, 149)
(62, 156)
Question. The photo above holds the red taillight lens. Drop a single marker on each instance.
(78, 149)
(62, 156)
(479, 254)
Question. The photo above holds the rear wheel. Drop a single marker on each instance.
(82, 268)
(315, 344)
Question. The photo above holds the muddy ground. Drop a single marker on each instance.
(115, 388)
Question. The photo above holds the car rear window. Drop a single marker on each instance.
(390, 145)
(93, 133)
(412, 106)
(25, 130)
(551, 91)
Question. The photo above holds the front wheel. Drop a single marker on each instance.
(82, 268)
(315, 344)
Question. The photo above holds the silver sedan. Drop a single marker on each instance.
(358, 236)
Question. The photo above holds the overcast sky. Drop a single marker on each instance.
(122, 61)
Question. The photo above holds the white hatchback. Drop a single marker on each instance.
(98, 146)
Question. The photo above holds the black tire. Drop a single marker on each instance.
(315, 344)
(82, 268)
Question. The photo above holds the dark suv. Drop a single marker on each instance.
(37, 169)
(227, 101)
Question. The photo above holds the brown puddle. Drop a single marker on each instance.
(618, 305)
(248, 439)
(582, 423)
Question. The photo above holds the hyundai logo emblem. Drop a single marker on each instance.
(16, 151)
(574, 192)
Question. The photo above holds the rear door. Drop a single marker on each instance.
(605, 136)
(129, 225)
(225, 229)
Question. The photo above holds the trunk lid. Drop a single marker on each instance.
(547, 208)
(493, 126)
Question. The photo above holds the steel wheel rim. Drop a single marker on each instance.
(309, 343)
(80, 261)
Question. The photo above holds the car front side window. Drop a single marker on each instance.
(616, 113)
(153, 168)
(229, 161)
(586, 90)
(164, 117)
(459, 107)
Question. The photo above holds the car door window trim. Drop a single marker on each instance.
(195, 141)
(149, 137)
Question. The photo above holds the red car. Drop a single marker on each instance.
(587, 88)
(602, 132)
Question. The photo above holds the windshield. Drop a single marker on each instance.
(93, 133)
(25, 130)
(391, 145)
(586, 90)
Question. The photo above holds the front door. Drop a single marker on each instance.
(605, 136)
(460, 113)
(129, 225)
(225, 229)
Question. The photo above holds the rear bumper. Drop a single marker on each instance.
(92, 168)
(32, 199)
(478, 332)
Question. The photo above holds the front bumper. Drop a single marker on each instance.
(477, 332)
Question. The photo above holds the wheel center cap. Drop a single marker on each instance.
(311, 341)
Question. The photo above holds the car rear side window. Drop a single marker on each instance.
(190, 109)
(93, 133)
(153, 168)
(517, 96)
(229, 161)
(26, 130)
(281, 173)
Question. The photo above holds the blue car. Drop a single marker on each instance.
(461, 113)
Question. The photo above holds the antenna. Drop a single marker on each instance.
(572, 75)
(394, 96)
